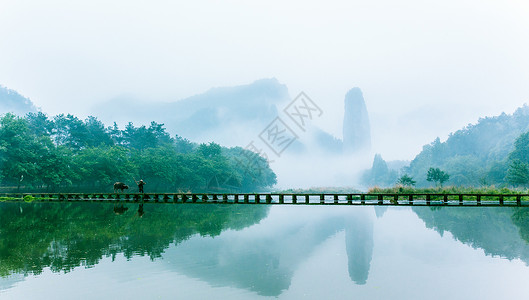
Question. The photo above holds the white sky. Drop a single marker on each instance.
(426, 67)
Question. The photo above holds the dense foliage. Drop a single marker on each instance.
(479, 154)
(65, 153)
(495, 151)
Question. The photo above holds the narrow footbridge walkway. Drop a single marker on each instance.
(273, 198)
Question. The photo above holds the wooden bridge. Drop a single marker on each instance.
(386, 199)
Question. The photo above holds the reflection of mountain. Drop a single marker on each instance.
(359, 246)
(491, 229)
(65, 236)
(264, 261)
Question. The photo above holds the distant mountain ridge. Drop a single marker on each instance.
(12, 101)
(475, 155)
(234, 116)
(213, 114)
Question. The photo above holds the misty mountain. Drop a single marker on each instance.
(479, 154)
(356, 128)
(475, 155)
(228, 115)
(235, 116)
(12, 101)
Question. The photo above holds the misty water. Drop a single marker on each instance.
(194, 251)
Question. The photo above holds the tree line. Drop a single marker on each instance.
(65, 153)
(495, 151)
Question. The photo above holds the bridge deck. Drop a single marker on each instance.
(299, 199)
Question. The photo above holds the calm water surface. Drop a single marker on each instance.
(166, 251)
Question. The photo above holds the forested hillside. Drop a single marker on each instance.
(65, 153)
(476, 155)
(495, 151)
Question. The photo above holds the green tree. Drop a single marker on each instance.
(102, 166)
(39, 124)
(209, 150)
(183, 145)
(437, 176)
(38, 152)
(19, 151)
(71, 132)
(521, 149)
(97, 134)
(465, 170)
(518, 173)
(143, 137)
(56, 166)
(406, 180)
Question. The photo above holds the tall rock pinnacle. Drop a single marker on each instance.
(356, 128)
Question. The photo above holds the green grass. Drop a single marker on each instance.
(447, 190)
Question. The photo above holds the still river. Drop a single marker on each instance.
(196, 251)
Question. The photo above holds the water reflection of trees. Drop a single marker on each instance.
(499, 231)
(65, 236)
(261, 259)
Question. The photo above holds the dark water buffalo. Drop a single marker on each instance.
(120, 186)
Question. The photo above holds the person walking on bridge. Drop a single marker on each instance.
(141, 183)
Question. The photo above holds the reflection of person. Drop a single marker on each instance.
(140, 210)
(141, 183)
